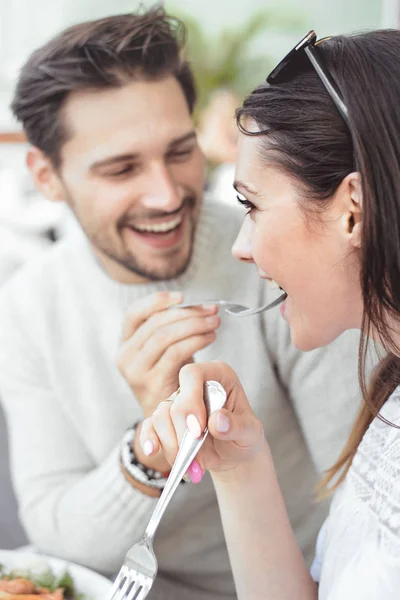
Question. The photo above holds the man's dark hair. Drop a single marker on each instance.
(107, 53)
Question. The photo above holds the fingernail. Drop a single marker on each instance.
(175, 296)
(222, 423)
(212, 320)
(209, 307)
(195, 472)
(193, 425)
(148, 447)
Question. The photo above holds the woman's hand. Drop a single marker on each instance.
(236, 435)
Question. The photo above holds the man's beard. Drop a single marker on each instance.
(170, 267)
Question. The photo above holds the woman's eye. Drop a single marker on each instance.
(246, 203)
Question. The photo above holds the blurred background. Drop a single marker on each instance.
(232, 45)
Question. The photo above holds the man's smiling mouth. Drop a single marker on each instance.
(164, 227)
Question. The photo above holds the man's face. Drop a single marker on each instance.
(133, 174)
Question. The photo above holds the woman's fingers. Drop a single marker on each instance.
(244, 429)
(158, 434)
(190, 402)
(148, 438)
(193, 377)
(235, 431)
(165, 431)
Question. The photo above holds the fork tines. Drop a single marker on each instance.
(130, 585)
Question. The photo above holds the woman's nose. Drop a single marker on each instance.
(241, 248)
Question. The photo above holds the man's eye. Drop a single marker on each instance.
(181, 155)
(246, 203)
(128, 169)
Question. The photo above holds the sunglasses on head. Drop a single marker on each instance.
(308, 47)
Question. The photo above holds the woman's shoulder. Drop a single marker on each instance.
(384, 432)
(390, 411)
(381, 442)
(374, 476)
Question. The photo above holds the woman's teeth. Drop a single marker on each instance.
(272, 283)
(159, 227)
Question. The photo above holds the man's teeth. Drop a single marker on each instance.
(160, 227)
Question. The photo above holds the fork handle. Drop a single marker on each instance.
(214, 399)
(187, 451)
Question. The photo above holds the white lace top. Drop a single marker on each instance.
(358, 549)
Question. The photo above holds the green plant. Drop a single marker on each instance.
(226, 61)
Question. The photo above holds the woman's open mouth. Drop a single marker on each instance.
(275, 286)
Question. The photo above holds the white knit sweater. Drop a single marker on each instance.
(67, 408)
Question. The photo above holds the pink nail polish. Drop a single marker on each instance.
(195, 472)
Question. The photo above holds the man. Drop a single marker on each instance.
(107, 109)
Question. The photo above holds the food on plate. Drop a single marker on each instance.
(36, 584)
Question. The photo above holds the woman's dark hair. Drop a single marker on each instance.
(100, 54)
(302, 131)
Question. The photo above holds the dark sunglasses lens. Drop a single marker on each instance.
(293, 60)
(294, 63)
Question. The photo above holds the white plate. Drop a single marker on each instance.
(90, 583)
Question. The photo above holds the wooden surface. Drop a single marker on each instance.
(12, 137)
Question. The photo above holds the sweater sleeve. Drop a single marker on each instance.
(322, 386)
(69, 506)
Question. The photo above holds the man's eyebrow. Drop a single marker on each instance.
(239, 185)
(191, 135)
(104, 162)
(132, 156)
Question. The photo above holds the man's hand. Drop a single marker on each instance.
(157, 343)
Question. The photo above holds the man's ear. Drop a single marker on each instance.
(44, 174)
(353, 201)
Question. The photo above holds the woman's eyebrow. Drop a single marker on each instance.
(240, 186)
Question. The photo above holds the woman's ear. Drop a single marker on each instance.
(352, 217)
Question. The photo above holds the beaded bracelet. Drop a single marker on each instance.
(136, 469)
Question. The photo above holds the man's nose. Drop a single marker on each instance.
(162, 192)
(241, 248)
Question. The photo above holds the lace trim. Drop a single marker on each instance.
(375, 473)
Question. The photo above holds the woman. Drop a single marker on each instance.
(319, 170)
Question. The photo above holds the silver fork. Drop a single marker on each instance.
(140, 567)
(237, 310)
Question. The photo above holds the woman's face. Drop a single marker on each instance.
(313, 257)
